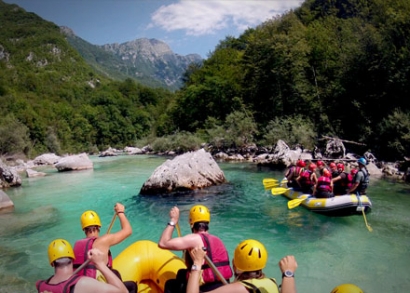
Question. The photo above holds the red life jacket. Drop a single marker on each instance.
(323, 184)
(349, 180)
(63, 287)
(306, 178)
(218, 254)
(81, 247)
(294, 172)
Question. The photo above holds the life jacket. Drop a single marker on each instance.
(63, 287)
(265, 285)
(306, 178)
(349, 180)
(323, 184)
(81, 248)
(363, 184)
(294, 172)
(219, 256)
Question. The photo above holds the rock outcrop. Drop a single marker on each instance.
(189, 171)
(46, 159)
(31, 173)
(74, 163)
(8, 176)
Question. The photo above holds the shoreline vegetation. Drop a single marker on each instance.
(278, 157)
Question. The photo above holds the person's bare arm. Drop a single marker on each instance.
(314, 178)
(288, 263)
(354, 186)
(180, 243)
(106, 241)
(298, 181)
(337, 178)
(91, 285)
(314, 189)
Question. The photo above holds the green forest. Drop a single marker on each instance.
(328, 68)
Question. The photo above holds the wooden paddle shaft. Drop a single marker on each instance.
(215, 270)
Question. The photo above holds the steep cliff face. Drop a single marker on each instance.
(154, 58)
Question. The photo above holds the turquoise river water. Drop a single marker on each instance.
(329, 250)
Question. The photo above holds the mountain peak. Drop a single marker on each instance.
(145, 47)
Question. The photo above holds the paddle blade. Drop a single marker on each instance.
(269, 181)
(271, 186)
(279, 190)
(295, 203)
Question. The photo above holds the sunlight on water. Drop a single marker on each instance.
(329, 251)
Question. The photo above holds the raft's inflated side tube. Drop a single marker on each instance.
(143, 261)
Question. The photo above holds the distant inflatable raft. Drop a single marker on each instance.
(340, 205)
(148, 265)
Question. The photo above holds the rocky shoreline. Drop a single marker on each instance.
(280, 157)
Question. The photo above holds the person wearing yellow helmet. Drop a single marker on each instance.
(61, 256)
(91, 225)
(199, 219)
(347, 288)
(249, 259)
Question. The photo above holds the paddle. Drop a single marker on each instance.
(271, 186)
(365, 220)
(279, 190)
(268, 183)
(296, 202)
(208, 261)
(88, 260)
(364, 214)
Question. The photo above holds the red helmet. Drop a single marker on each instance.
(326, 173)
(353, 171)
(301, 163)
(312, 167)
(320, 163)
(341, 166)
(332, 165)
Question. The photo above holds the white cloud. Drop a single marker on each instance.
(203, 17)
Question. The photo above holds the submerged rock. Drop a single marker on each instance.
(25, 223)
(6, 205)
(193, 170)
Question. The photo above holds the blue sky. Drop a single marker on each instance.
(187, 26)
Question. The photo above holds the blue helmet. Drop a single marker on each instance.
(362, 161)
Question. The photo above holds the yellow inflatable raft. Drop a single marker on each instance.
(148, 265)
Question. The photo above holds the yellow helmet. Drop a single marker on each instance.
(199, 213)
(250, 255)
(90, 218)
(59, 248)
(347, 288)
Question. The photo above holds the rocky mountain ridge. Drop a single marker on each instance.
(149, 61)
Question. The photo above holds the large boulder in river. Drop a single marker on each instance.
(189, 171)
(8, 176)
(46, 159)
(74, 163)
